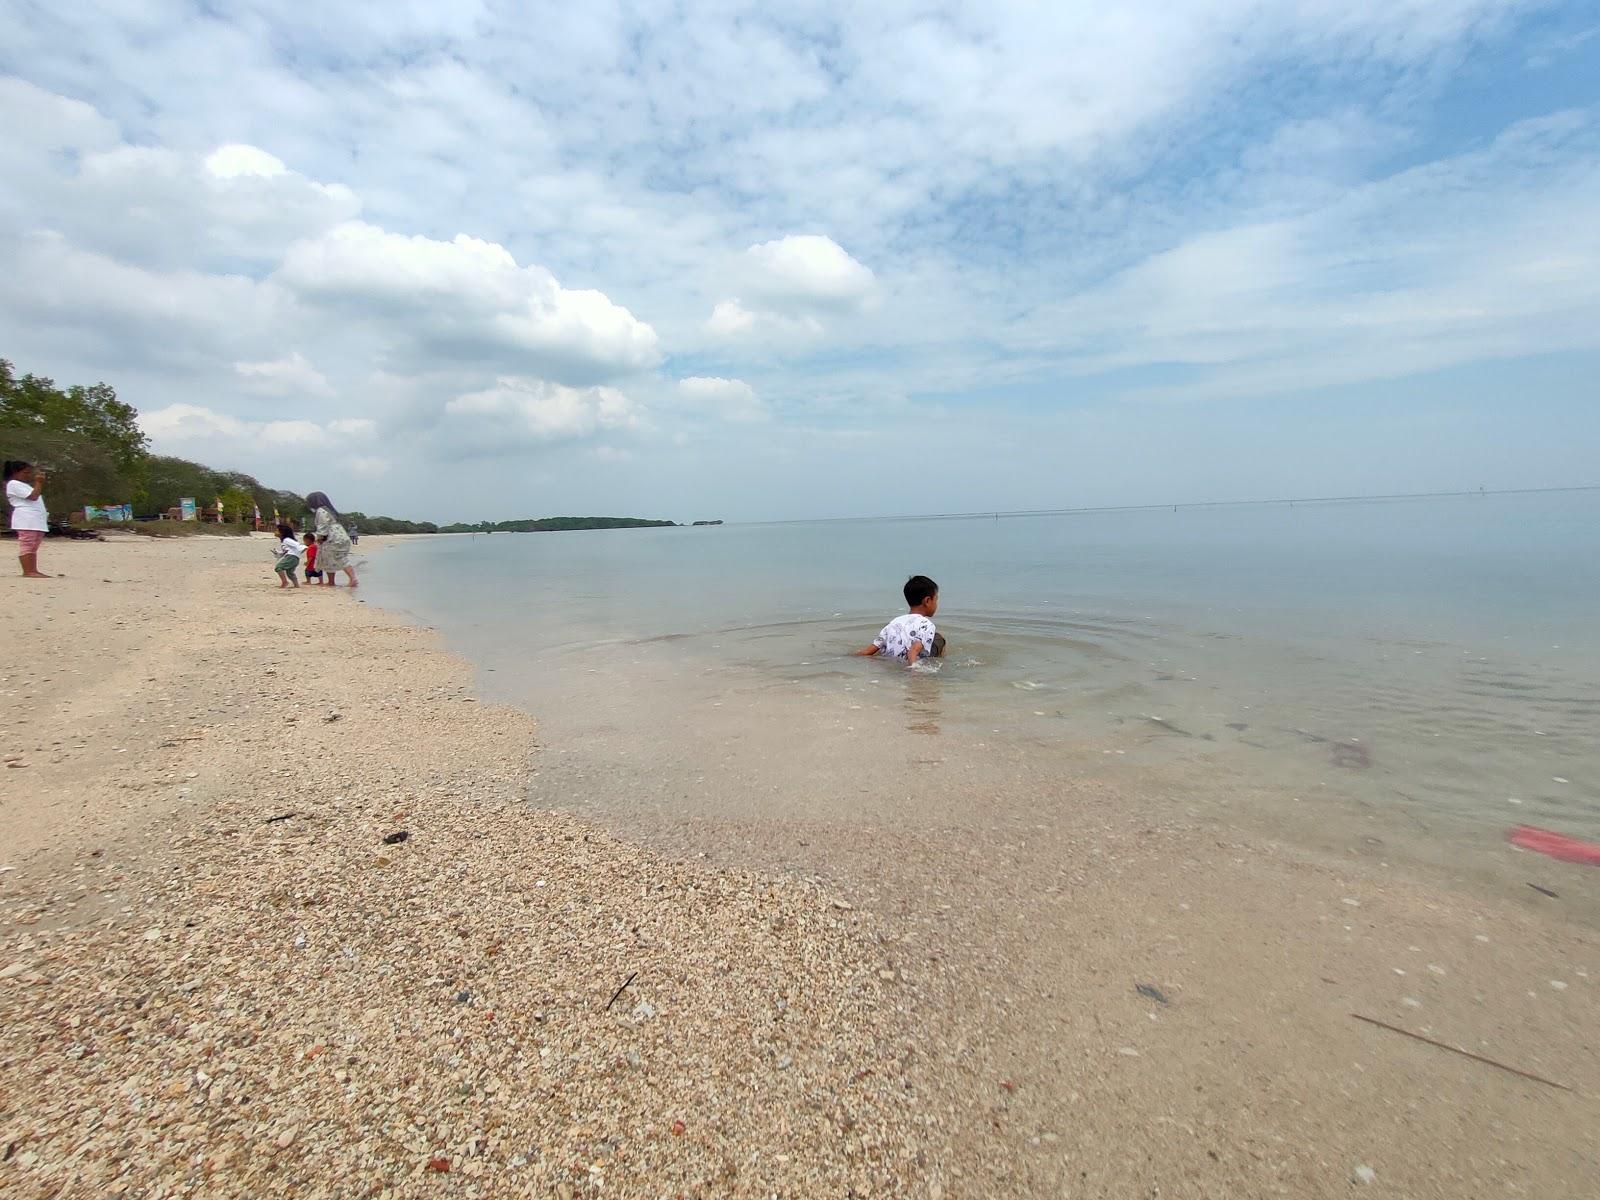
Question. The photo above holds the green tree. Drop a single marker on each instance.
(238, 504)
(93, 413)
(78, 472)
(165, 481)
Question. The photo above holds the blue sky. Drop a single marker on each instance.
(696, 260)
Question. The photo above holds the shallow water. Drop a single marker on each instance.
(1431, 665)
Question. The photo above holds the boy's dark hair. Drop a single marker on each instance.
(918, 589)
(13, 465)
(284, 530)
(310, 539)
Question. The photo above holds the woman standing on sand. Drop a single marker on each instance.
(29, 521)
(333, 543)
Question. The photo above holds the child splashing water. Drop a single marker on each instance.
(289, 551)
(913, 636)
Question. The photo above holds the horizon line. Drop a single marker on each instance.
(996, 514)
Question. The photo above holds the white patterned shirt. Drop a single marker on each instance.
(896, 637)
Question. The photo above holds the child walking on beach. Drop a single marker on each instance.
(289, 551)
(912, 636)
(311, 558)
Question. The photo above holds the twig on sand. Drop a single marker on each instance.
(1464, 1053)
(275, 820)
(1544, 891)
(619, 991)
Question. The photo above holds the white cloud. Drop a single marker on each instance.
(798, 285)
(516, 414)
(469, 299)
(732, 323)
(991, 199)
(730, 399)
(107, 311)
(1491, 254)
(291, 376)
(809, 269)
(730, 318)
(235, 160)
(40, 123)
(152, 205)
(182, 428)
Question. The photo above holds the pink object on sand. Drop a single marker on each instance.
(1556, 845)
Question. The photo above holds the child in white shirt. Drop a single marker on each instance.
(289, 551)
(29, 520)
(912, 636)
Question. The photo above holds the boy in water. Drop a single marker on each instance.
(912, 636)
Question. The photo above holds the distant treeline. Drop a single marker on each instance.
(556, 525)
(94, 452)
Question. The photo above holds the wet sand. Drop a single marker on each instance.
(880, 980)
(1028, 896)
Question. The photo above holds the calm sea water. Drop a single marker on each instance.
(1438, 658)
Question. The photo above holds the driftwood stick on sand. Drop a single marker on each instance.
(1464, 1053)
(619, 991)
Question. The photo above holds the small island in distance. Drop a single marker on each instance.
(556, 525)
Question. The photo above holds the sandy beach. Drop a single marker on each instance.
(223, 973)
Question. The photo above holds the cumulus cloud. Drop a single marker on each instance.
(983, 198)
(72, 173)
(181, 428)
(40, 123)
(236, 160)
(290, 376)
(808, 269)
(730, 399)
(468, 298)
(517, 414)
(730, 318)
(107, 312)
(794, 285)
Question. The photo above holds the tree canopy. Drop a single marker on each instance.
(91, 413)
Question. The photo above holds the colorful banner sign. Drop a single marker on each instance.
(187, 504)
(108, 512)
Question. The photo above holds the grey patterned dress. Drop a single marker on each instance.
(333, 543)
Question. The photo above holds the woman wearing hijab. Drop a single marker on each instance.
(333, 542)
